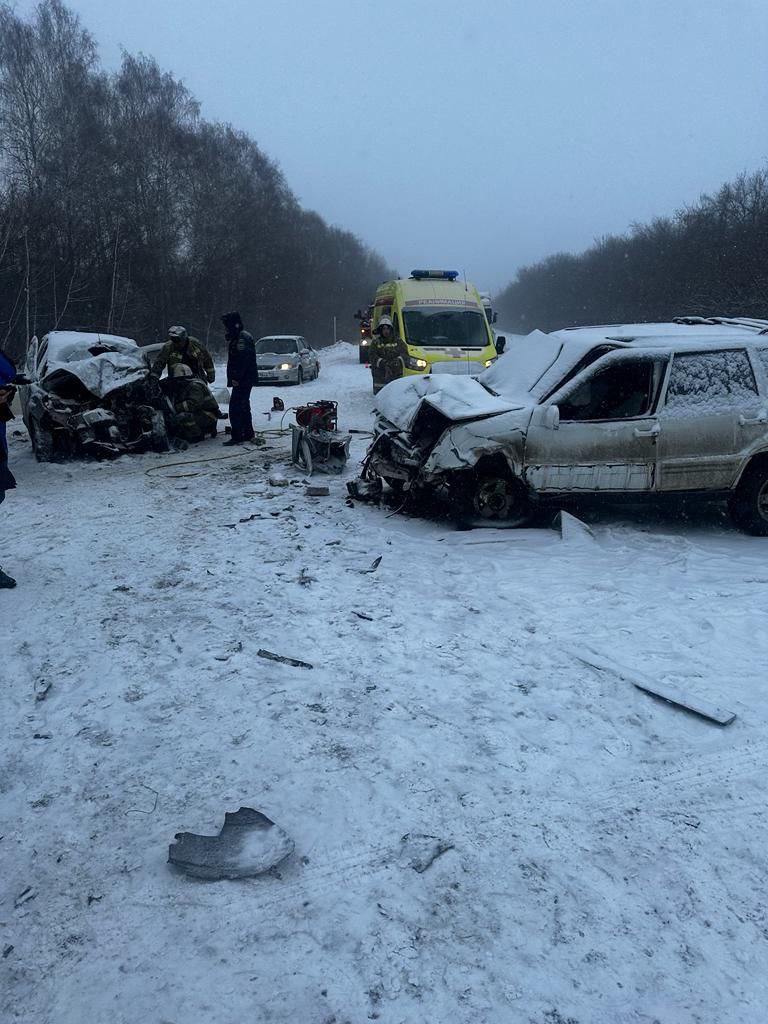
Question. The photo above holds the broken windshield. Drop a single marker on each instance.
(275, 346)
(439, 325)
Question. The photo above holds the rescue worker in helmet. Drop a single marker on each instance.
(386, 355)
(182, 348)
(195, 411)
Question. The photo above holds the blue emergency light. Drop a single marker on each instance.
(435, 275)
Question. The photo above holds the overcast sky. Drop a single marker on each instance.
(478, 136)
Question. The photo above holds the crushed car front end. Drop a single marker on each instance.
(96, 402)
(461, 443)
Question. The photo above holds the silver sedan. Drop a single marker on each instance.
(286, 359)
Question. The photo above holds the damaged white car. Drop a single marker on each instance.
(91, 394)
(677, 408)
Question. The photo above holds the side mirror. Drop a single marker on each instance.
(551, 417)
(501, 344)
(495, 318)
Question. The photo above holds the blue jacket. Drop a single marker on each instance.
(7, 374)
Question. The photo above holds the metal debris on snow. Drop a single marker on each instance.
(373, 567)
(248, 844)
(571, 528)
(24, 897)
(42, 689)
(282, 658)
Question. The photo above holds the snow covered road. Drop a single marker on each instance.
(607, 852)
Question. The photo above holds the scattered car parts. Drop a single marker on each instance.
(248, 844)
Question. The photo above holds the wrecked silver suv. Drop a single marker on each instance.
(676, 408)
(91, 394)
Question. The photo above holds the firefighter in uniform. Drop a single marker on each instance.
(181, 348)
(196, 412)
(386, 355)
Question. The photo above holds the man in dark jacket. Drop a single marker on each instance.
(242, 375)
(7, 482)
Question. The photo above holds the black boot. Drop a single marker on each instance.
(6, 582)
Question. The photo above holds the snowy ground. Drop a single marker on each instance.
(608, 852)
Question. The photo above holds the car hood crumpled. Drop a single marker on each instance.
(100, 374)
(457, 398)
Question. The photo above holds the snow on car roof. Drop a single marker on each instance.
(62, 345)
(673, 334)
(281, 337)
(533, 363)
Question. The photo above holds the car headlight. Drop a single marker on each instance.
(490, 362)
(286, 366)
(416, 364)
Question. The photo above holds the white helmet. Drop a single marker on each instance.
(386, 322)
(178, 332)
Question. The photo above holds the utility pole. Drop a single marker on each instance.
(26, 284)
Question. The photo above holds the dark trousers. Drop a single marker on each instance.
(240, 413)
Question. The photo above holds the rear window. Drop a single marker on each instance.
(702, 380)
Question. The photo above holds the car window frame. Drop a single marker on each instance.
(616, 356)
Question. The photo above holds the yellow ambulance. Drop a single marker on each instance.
(439, 320)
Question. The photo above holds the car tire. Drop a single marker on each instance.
(749, 502)
(490, 496)
(43, 442)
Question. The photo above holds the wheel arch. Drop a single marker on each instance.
(756, 459)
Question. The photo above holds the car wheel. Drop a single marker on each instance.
(43, 442)
(749, 503)
(490, 496)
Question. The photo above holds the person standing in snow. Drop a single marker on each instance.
(183, 349)
(7, 481)
(242, 375)
(386, 355)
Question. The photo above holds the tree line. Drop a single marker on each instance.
(707, 259)
(123, 210)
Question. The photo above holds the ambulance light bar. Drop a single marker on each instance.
(439, 275)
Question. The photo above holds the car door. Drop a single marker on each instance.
(312, 360)
(304, 357)
(606, 436)
(707, 418)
